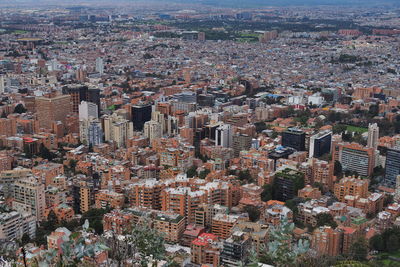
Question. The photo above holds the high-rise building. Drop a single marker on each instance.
(182, 201)
(117, 129)
(90, 131)
(322, 173)
(397, 192)
(327, 241)
(8, 127)
(152, 130)
(223, 135)
(236, 249)
(88, 109)
(294, 138)
(2, 85)
(52, 109)
(29, 197)
(109, 199)
(82, 93)
(357, 158)
(140, 115)
(222, 224)
(145, 193)
(351, 186)
(13, 225)
(205, 250)
(100, 65)
(241, 142)
(8, 179)
(320, 144)
(288, 183)
(392, 166)
(373, 135)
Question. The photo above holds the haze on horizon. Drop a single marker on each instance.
(220, 3)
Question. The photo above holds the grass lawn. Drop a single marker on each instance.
(19, 32)
(383, 259)
(351, 128)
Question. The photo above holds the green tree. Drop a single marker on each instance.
(338, 169)
(253, 212)
(325, 219)
(203, 174)
(95, 219)
(393, 243)
(260, 126)
(359, 250)
(45, 152)
(281, 251)
(191, 172)
(148, 243)
(266, 194)
(25, 239)
(377, 243)
(19, 109)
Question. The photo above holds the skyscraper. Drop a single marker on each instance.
(392, 169)
(100, 65)
(90, 131)
(373, 135)
(29, 197)
(52, 109)
(2, 86)
(117, 129)
(140, 114)
(88, 109)
(82, 93)
(241, 142)
(320, 144)
(294, 138)
(152, 130)
(357, 158)
(223, 135)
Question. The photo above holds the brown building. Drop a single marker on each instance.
(204, 250)
(309, 192)
(327, 241)
(351, 186)
(106, 198)
(222, 225)
(52, 109)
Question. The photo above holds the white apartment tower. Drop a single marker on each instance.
(152, 130)
(373, 135)
(117, 129)
(100, 65)
(29, 197)
(223, 135)
(87, 110)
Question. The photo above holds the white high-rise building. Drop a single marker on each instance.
(373, 135)
(90, 131)
(223, 135)
(87, 110)
(397, 191)
(117, 129)
(100, 65)
(2, 84)
(13, 225)
(152, 130)
(29, 197)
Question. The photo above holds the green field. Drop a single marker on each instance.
(355, 129)
(19, 32)
(383, 259)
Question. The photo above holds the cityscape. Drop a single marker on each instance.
(199, 133)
